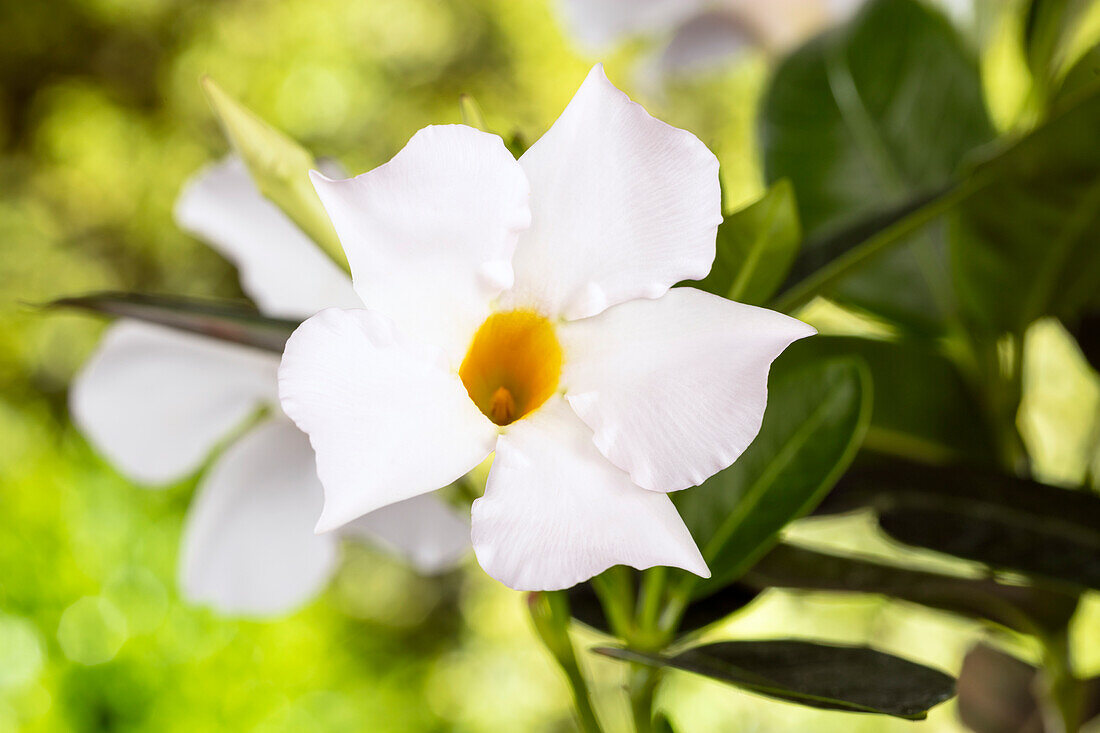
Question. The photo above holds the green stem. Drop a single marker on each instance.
(550, 614)
(615, 590)
(1064, 698)
(650, 602)
(643, 690)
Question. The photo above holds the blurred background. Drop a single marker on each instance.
(101, 121)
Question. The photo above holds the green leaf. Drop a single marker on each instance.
(816, 417)
(717, 606)
(756, 247)
(1023, 222)
(923, 409)
(1048, 29)
(279, 166)
(1023, 608)
(1025, 242)
(1087, 332)
(864, 119)
(1003, 521)
(1083, 74)
(848, 678)
(226, 321)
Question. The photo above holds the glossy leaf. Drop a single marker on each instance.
(865, 120)
(848, 678)
(1049, 26)
(923, 408)
(1017, 607)
(1024, 243)
(1087, 333)
(816, 417)
(1006, 522)
(226, 321)
(1084, 73)
(756, 247)
(279, 166)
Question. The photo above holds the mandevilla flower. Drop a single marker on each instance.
(699, 35)
(524, 307)
(156, 402)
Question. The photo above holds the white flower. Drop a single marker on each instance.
(697, 36)
(524, 307)
(156, 402)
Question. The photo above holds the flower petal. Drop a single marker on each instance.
(555, 512)
(248, 544)
(281, 269)
(155, 401)
(706, 42)
(426, 530)
(387, 418)
(600, 24)
(623, 206)
(674, 389)
(430, 235)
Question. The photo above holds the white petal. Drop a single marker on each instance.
(674, 389)
(155, 401)
(600, 24)
(281, 269)
(248, 545)
(387, 418)
(430, 235)
(555, 512)
(426, 530)
(623, 206)
(706, 42)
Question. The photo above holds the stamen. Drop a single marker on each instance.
(502, 406)
(512, 366)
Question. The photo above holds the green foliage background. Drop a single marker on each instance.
(101, 120)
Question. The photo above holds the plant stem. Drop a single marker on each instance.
(650, 602)
(643, 688)
(616, 593)
(550, 614)
(1064, 692)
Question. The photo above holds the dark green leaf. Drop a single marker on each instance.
(1018, 607)
(1083, 74)
(756, 247)
(717, 606)
(1024, 245)
(853, 679)
(585, 606)
(1006, 522)
(923, 407)
(1087, 333)
(865, 120)
(227, 321)
(1049, 26)
(817, 414)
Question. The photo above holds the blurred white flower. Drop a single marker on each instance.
(697, 36)
(156, 402)
(525, 307)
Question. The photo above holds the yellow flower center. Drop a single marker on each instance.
(513, 365)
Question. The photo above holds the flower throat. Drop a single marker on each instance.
(512, 366)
